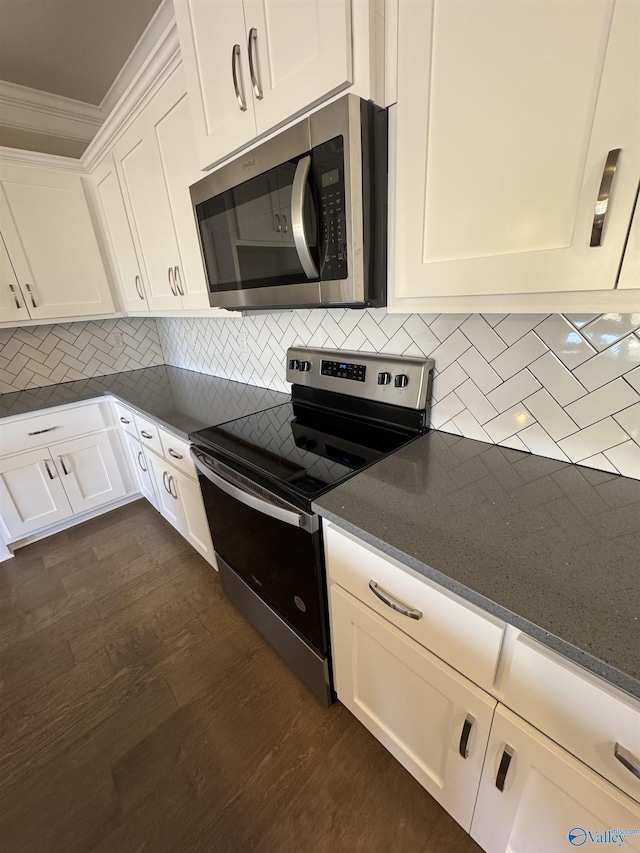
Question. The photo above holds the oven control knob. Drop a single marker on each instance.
(384, 378)
(294, 364)
(304, 366)
(401, 380)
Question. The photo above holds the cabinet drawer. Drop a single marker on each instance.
(148, 433)
(50, 427)
(576, 710)
(176, 451)
(124, 417)
(459, 633)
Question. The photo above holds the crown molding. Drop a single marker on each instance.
(37, 160)
(162, 59)
(44, 112)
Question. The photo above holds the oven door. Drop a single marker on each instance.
(273, 546)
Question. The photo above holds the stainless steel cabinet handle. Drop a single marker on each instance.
(627, 759)
(139, 287)
(174, 454)
(171, 282)
(235, 59)
(394, 603)
(15, 296)
(64, 467)
(40, 431)
(31, 296)
(505, 761)
(164, 481)
(125, 420)
(178, 280)
(464, 737)
(145, 434)
(297, 217)
(604, 194)
(285, 225)
(253, 64)
(46, 465)
(173, 494)
(140, 458)
(278, 223)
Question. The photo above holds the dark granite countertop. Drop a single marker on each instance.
(181, 400)
(549, 547)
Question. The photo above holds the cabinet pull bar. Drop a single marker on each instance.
(31, 296)
(46, 465)
(145, 434)
(235, 57)
(40, 431)
(505, 761)
(178, 280)
(464, 737)
(171, 283)
(174, 454)
(627, 759)
(15, 296)
(285, 226)
(164, 481)
(173, 494)
(278, 223)
(64, 467)
(394, 603)
(604, 194)
(139, 287)
(125, 420)
(253, 64)
(140, 457)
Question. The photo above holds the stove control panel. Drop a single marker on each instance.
(394, 379)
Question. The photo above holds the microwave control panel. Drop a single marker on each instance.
(329, 173)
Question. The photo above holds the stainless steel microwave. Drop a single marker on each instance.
(301, 220)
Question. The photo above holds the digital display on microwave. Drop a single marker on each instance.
(330, 178)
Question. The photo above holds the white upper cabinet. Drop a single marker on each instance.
(114, 216)
(253, 65)
(13, 305)
(630, 270)
(50, 238)
(508, 117)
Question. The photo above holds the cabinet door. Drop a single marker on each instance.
(89, 470)
(169, 116)
(506, 115)
(140, 467)
(434, 721)
(195, 527)
(142, 180)
(169, 504)
(31, 493)
(301, 53)
(541, 798)
(630, 270)
(12, 302)
(213, 44)
(50, 238)
(125, 261)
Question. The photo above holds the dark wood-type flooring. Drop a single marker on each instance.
(140, 712)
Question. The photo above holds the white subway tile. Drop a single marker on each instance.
(446, 324)
(610, 363)
(626, 458)
(538, 441)
(580, 320)
(600, 462)
(508, 423)
(450, 350)
(515, 443)
(552, 416)
(479, 369)
(516, 326)
(469, 427)
(609, 328)
(605, 401)
(629, 420)
(483, 337)
(513, 391)
(633, 378)
(446, 409)
(421, 333)
(450, 427)
(448, 380)
(597, 438)
(494, 319)
(557, 379)
(563, 339)
(476, 402)
(520, 355)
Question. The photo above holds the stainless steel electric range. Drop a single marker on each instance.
(259, 475)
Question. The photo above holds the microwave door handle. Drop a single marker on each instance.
(297, 217)
(292, 518)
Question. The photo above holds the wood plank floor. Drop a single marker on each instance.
(140, 712)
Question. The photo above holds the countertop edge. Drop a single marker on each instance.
(594, 665)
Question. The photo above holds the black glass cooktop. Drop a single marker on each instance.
(303, 449)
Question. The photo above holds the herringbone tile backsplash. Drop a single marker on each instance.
(45, 355)
(563, 386)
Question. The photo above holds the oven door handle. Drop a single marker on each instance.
(295, 519)
(298, 190)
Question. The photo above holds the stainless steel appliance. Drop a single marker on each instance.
(259, 475)
(301, 220)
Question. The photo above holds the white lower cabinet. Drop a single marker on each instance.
(89, 470)
(534, 796)
(31, 493)
(433, 720)
(140, 468)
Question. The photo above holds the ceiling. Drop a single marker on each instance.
(73, 48)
